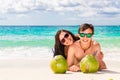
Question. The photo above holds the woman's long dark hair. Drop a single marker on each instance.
(58, 47)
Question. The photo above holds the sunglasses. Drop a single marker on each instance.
(65, 36)
(88, 35)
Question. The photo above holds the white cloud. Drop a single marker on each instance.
(89, 14)
(72, 19)
(111, 10)
(85, 8)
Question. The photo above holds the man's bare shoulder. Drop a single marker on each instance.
(72, 49)
(96, 44)
(75, 45)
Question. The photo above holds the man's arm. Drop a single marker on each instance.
(70, 60)
(97, 49)
(99, 57)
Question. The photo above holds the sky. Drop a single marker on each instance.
(59, 12)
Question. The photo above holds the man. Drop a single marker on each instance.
(84, 46)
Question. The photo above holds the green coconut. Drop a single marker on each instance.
(89, 64)
(58, 64)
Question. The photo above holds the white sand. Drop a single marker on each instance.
(31, 69)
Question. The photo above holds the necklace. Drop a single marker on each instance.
(83, 48)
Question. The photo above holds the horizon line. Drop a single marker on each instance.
(57, 25)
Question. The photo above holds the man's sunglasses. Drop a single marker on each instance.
(65, 36)
(88, 35)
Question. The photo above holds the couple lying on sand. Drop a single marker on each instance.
(75, 47)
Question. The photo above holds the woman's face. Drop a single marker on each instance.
(65, 38)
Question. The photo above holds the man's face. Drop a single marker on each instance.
(85, 36)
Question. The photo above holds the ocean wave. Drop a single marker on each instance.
(24, 37)
(26, 53)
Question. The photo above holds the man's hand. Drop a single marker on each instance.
(99, 58)
(74, 68)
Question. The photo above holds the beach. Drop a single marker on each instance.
(26, 52)
(30, 37)
(39, 69)
(25, 63)
(33, 63)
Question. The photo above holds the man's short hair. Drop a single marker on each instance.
(85, 26)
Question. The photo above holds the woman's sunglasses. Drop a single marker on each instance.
(65, 36)
(88, 35)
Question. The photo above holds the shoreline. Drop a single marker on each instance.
(37, 69)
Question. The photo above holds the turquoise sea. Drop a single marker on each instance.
(37, 41)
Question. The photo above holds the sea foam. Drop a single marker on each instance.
(25, 53)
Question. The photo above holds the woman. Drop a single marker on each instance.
(63, 39)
